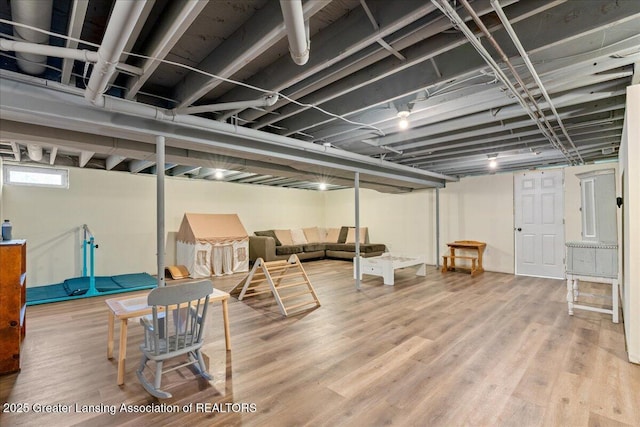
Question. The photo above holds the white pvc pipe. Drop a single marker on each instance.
(297, 31)
(60, 52)
(265, 101)
(36, 14)
(35, 152)
(124, 18)
(41, 49)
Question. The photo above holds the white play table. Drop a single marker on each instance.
(386, 264)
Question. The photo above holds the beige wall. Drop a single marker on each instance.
(630, 181)
(120, 209)
(475, 208)
(404, 222)
(480, 208)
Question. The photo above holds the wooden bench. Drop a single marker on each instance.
(446, 266)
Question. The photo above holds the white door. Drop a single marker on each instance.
(539, 224)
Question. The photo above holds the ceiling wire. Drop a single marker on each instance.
(548, 131)
(196, 70)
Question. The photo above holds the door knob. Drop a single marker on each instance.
(519, 229)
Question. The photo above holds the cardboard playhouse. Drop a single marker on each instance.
(212, 244)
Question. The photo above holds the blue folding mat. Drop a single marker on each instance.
(80, 287)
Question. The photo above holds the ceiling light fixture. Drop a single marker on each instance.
(322, 186)
(404, 119)
(493, 163)
(219, 174)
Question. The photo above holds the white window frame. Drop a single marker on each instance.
(62, 173)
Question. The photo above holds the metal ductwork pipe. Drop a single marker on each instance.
(35, 152)
(124, 16)
(34, 13)
(297, 30)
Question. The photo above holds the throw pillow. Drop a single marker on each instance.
(298, 237)
(268, 233)
(284, 236)
(312, 234)
(332, 235)
(351, 235)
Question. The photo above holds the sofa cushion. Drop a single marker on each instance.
(268, 233)
(298, 237)
(342, 237)
(332, 235)
(288, 249)
(351, 247)
(312, 234)
(312, 247)
(284, 236)
(351, 235)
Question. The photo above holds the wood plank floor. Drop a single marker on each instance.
(440, 350)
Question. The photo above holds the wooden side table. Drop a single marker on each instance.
(449, 261)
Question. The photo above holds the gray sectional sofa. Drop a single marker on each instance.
(311, 243)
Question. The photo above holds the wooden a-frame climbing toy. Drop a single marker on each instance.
(287, 281)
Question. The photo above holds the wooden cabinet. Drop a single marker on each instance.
(13, 303)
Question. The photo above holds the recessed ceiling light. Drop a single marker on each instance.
(219, 174)
(322, 186)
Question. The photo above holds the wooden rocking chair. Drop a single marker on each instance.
(175, 328)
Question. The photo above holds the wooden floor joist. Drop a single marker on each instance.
(284, 279)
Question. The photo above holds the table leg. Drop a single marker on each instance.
(122, 351)
(453, 257)
(225, 318)
(480, 268)
(388, 274)
(570, 295)
(614, 301)
(112, 320)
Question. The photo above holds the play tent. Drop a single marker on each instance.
(212, 244)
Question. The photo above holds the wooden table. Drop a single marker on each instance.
(449, 261)
(125, 308)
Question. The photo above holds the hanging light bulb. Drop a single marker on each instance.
(404, 119)
(493, 163)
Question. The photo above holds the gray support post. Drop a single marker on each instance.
(160, 207)
(357, 212)
(437, 227)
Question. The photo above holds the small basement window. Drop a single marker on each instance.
(36, 176)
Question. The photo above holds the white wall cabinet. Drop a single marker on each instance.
(595, 258)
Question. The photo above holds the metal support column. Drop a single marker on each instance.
(437, 227)
(160, 207)
(357, 212)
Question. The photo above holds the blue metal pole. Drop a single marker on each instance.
(84, 256)
(92, 278)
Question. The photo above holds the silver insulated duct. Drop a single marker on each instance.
(33, 13)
